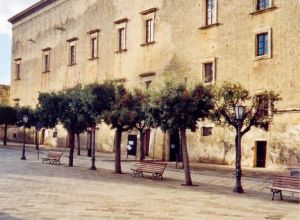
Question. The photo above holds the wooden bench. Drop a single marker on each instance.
(155, 168)
(53, 157)
(285, 183)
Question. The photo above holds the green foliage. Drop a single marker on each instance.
(175, 106)
(97, 98)
(47, 111)
(229, 95)
(8, 115)
(122, 115)
(26, 110)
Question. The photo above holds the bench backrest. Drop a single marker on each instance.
(291, 182)
(54, 154)
(154, 167)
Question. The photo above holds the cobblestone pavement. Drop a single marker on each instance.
(31, 190)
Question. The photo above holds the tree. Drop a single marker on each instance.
(257, 113)
(176, 108)
(143, 117)
(121, 117)
(65, 107)
(26, 110)
(8, 116)
(97, 98)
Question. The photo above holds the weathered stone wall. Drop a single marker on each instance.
(4, 94)
(180, 48)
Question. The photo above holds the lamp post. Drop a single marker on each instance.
(90, 138)
(239, 114)
(25, 120)
(93, 166)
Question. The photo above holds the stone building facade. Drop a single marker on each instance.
(4, 94)
(59, 43)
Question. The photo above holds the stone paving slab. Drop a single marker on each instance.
(31, 190)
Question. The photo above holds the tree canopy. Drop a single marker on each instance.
(258, 107)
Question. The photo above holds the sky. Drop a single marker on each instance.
(8, 8)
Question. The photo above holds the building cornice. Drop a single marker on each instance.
(32, 9)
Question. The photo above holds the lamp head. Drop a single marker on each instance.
(239, 111)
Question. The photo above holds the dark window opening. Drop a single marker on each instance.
(262, 4)
(46, 63)
(94, 48)
(206, 131)
(208, 72)
(18, 70)
(122, 39)
(72, 55)
(262, 44)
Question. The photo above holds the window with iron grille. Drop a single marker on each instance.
(263, 4)
(262, 44)
(149, 31)
(208, 73)
(206, 131)
(210, 12)
(122, 39)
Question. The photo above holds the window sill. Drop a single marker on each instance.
(209, 26)
(147, 44)
(72, 64)
(263, 57)
(94, 58)
(263, 10)
(48, 71)
(120, 51)
(209, 83)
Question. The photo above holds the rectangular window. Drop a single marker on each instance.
(72, 55)
(208, 73)
(122, 39)
(262, 42)
(263, 4)
(149, 31)
(94, 48)
(263, 108)
(211, 11)
(206, 131)
(46, 62)
(18, 71)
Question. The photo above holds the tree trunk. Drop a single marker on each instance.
(72, 146)
(36, 139)
(118, 151)
(142, 145)
(5, 135)
(186, 162)
(78, 144)
(89, 151)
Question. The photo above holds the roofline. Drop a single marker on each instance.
(32, 9)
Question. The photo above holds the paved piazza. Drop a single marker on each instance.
(32, 190)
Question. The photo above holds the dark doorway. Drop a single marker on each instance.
(261, 152)
(174, 146)
(131, 145)
(42, 140)
(147, 142)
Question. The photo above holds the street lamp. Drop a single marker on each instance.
(25, 120)
(239, 114)
(93, 133)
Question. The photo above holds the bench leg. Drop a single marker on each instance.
(137, 173)
(275, 191)
(156, 176)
